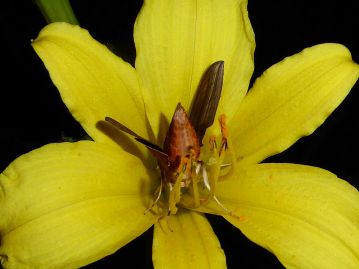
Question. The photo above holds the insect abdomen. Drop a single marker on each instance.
(181, 139)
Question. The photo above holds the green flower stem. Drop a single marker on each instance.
(57, 10)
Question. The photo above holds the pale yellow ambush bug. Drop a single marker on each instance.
(183, 173)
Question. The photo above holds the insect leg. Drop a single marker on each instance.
(195, 179)
(175, 188)
(225, 148)
(157, 193)
(213, 167)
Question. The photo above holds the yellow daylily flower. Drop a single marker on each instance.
(66, 205)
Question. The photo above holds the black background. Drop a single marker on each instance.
(32, 113)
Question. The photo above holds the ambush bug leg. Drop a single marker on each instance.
(195, 167)
(224, 131)
(206, 183)
(212, 166)
(164, 222)
(215, 162)
(172, 200)
(228, 212)
(195, 190)
(174, 196)
(212, 143)
(157, 194)
(226, 147)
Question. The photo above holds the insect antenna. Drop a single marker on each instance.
(155, 150)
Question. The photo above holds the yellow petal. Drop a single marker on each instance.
(305, 215)
(93, 82)
(176, 42)
(66, 205)
(186, 241)
(290, 100)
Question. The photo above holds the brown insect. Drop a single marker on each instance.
(179, 159)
